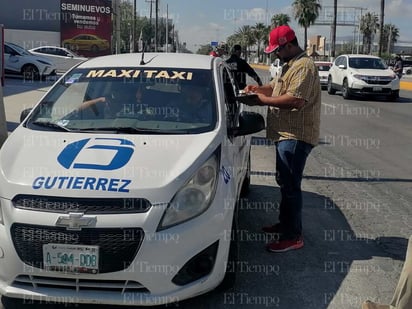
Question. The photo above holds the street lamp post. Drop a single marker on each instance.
(381, 27)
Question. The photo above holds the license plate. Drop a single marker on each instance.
(377, 88)
(71, 258)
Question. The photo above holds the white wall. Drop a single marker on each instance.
(30, 39)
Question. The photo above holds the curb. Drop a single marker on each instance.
(404, 84)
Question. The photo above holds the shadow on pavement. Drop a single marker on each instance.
(308, 278)
(17, 85)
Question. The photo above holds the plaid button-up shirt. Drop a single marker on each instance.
(299, 79)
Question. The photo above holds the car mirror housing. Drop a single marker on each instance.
(249, 123)
(24, 114)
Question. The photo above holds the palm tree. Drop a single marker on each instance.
(280, 20)
(369, 25)
(390, 36)
(306, 12)
(247, 38)
(260, 31)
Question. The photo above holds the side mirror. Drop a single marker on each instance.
(25, 113)
(249, 123)
(342, 66)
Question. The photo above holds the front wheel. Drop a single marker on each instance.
(345, 90)
(246, 182)
(233, 258)
(330, 87)
(30, 72)
(394, 96)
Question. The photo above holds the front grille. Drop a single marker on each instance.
(86, 205)
(377, 80)
(117, 247)
(79, 285)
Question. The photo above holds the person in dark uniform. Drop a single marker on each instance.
(240, 68)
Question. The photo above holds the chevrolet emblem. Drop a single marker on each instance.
(75, 221)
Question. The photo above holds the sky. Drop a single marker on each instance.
(200, 22)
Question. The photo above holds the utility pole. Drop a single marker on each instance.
(333, 43)
(134, 27)
(381, 27)
(167, 28)
(156, 22)
(359, 30)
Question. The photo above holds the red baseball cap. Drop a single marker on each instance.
(279, 36)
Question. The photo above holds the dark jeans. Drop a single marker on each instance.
(291, 158)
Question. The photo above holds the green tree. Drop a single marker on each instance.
(368, 26)
(260, 32)
(247, 38)
(306, 12)
(390, 36)
(280, 20)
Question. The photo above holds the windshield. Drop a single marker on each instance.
(19, 49)
(323, 67)
(367, 63)
(149, 100)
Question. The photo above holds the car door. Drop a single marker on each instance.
(236, 148)
(12, 62)
(49, 53)
(340, 71)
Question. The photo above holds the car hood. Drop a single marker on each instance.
(87, 165)
(373, 72)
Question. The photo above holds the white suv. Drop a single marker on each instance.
(362, 75)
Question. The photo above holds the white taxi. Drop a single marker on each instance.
(120, 186)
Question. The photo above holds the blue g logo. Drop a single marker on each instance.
(122, 153)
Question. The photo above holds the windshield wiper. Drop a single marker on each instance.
(53, 125)
(136, 130)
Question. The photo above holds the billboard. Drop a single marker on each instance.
(86, 26)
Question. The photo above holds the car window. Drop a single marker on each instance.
(19, 49)
(367, 63)
(179, 101)
(231, 105)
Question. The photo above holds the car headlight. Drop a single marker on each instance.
(44, 62)
(195, 196)
(359, 76)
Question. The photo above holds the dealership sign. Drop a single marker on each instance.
(86, 26)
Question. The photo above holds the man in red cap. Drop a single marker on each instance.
(293, 121)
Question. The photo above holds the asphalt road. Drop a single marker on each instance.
(357, 212)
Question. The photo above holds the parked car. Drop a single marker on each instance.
(87, 42)
(19, 61)
(323, 69)
(133, 199)
(63, 58)
(362, 75)
(407, 66)
(275, 68)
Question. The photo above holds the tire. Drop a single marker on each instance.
(246, 182)
(345, 90)
(233, 258)
(30, 72)
(330, 87)
(94, 48)
(394, 96)
(408, 71)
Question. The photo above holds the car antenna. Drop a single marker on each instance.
(142, 62)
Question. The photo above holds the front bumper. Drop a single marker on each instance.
(147, 281)
(360, 87)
